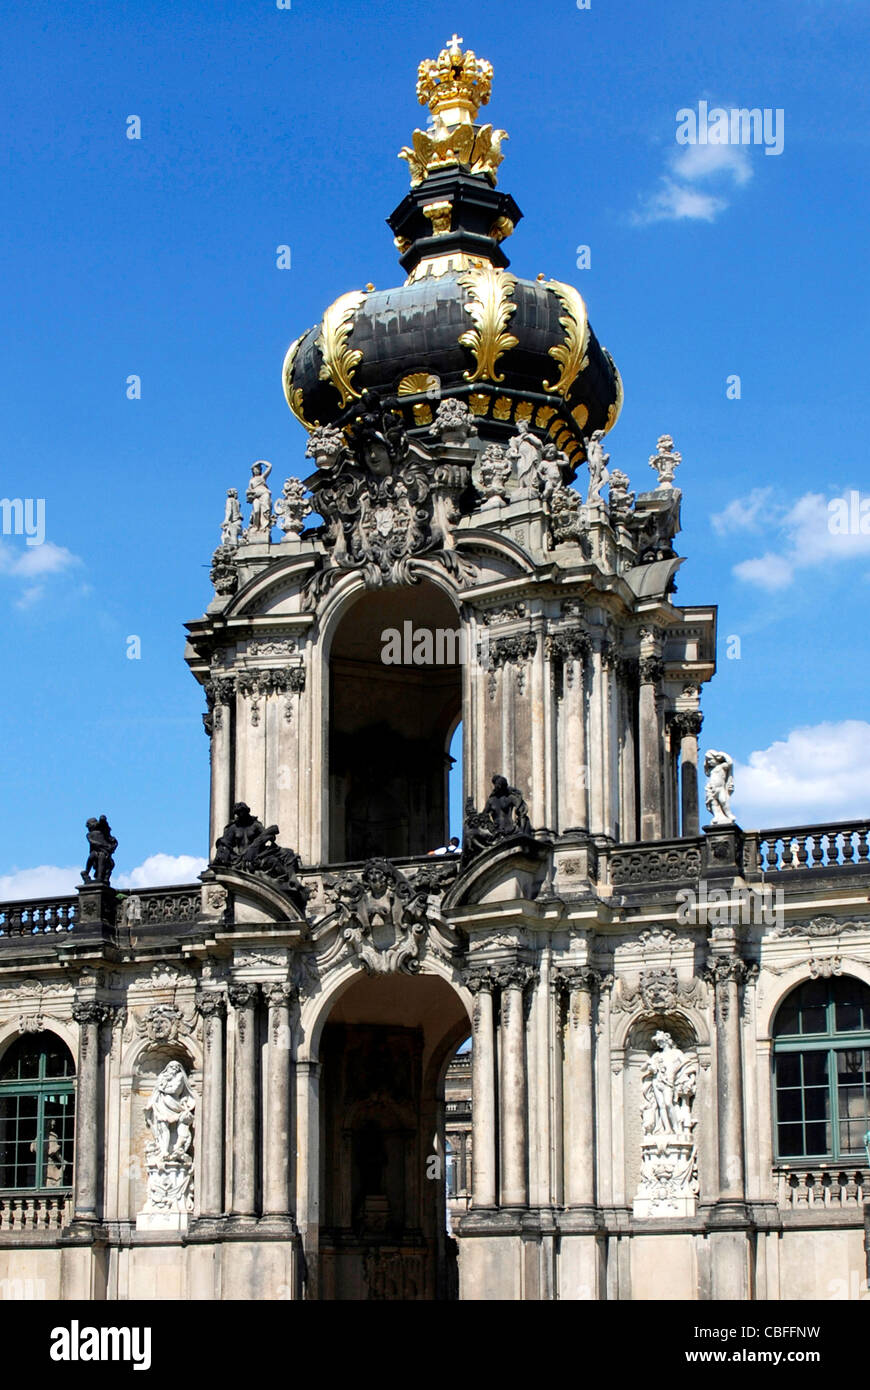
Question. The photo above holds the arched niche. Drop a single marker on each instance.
(638, 1047)
(147, 1065)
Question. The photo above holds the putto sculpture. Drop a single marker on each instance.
(668, 1155)
(102, 845)
(490, 475)
(719, 768)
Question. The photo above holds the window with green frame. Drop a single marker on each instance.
(37, 1114)
(821, 1055)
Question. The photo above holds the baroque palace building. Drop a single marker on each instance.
(254, 1086)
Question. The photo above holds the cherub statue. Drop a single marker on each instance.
(719, 768)
(550, 473)
(525, 451)
(260, 498)
(103, 844)
(598, 461)
(231, 529)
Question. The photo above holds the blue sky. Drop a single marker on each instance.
(263, 126)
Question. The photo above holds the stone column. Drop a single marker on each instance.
(688, 724)
(277, 1165)
(220, 695)
(650, 750)
(212, 1006)
(90, 1016)
(725, 974)
(514, 1184)
(483, 1128)
(243, 998)
(579, 1091)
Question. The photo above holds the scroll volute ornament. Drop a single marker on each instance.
(340, 361)
(570, 354)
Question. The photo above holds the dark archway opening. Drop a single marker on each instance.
(391, 722)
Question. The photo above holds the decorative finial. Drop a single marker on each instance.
(455, 84)
(665, 462)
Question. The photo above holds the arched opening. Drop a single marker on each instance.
(457, 1124)
(37, 1114)
(395, 694)
(821, 1059)
(384, 1052)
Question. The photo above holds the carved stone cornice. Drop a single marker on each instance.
(573, 978)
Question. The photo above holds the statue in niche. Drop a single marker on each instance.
(260, 498)
(598, 461)
(231, 527)
(102, 843)
(169, 1113)
(719, 768)
(669, 1081)
(668, 1154)
(525, 451)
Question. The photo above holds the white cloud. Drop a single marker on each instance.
(674, 202)
(743, 513)
(769, 571)
(45, 881)
(160, 869)
(721, 168)
(33, 560)
(806, 531)
(817, 773)
(49, 880)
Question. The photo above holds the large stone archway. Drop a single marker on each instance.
(384, 1050)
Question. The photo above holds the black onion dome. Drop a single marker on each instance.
(462, 325)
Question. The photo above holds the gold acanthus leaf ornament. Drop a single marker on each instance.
(490, 308)
(571, 354)
(340, 361)
(293, 394)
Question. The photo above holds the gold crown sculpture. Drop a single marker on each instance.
(454, 85)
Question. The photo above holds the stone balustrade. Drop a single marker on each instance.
(37, 1211)
(810, 1188)
(842, 844)
(37, 916)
